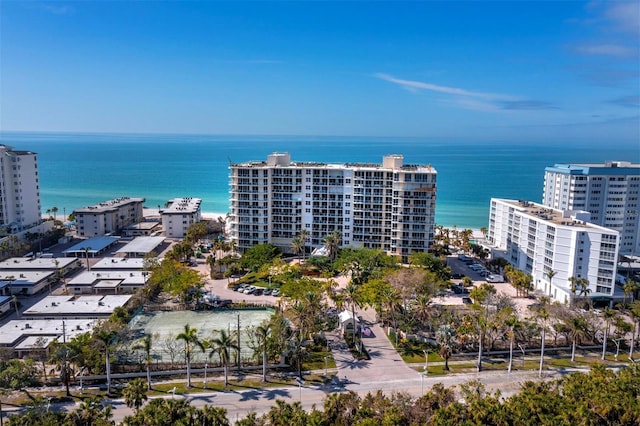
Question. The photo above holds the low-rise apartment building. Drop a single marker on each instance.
(179, 215)
(108, 217)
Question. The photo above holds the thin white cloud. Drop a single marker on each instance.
(469, 99)
(614, 50)
(57, 9)
(624, 15)
(413, 85)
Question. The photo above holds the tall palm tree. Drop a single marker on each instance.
(86, 255)
(263, 332)
(145, 344)
(578, 329)
(550, 274)
(512, 322)
(422, 310)
(542, 315)
(332, 243)
(54, 210)
(634, 311)
(390, 301)
(573, 287)
(609, 315)
(105, 335)
(629, 287)
(222, 346)
(444, 337)
(304, 235)
(584, 289)
(190, 338)
(297, 246)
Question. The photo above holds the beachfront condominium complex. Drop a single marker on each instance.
(608, 191)
(19, 190)
(108, 217)
(179, 214)
(537, 240)
(388, 206)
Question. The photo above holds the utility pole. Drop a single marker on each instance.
(66, 364)
(238, 332)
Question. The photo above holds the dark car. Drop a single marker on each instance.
(457, 288)
(457, 276)
(258, 292)
(467, 300)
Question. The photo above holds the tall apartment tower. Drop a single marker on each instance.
(388, 206)
(537, 240)
(608, 191)
(19, 189)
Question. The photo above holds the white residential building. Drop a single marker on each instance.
(19, 189)
(608, 191)
(108, 217)
(388, 206)
(537, 239)
(179, 214)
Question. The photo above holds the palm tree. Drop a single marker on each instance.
(105, 335)
(86, 254)
(352, 297)
(135, 394)
(297, 245)
(444, 337)
(332, 243)
(146, 344)
(263, 332)
(222, 346)
(190, 338)
(609, 315)
(550, 274)
(513, 322)
(584, 289)
(578, 329)
(422, 310)
(542, 315)
(629, 287)
(573, 286)
(304, 235)
(390, 301)
(634, 311)
(54, 210)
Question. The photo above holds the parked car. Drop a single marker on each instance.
(457, 276)
(267, 291)
(275, 292)
(258, 292)
(467, 300)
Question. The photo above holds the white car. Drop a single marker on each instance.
(494, 278)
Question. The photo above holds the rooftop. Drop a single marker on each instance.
(94, 245)
(142, 245)
(98, 277)
(25, 263)
(556, 217)
(116, 263)
(109, 205)
(24, 277)
(182, 205)
(14, 330)
(97, 305)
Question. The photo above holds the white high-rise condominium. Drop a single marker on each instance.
(608, 191)
(388, 206)
(537, 240)
(19, 190)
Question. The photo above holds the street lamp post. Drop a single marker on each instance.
(300, 383)
(522, 348)
(204, 383)
(426, 360)
(325, 366)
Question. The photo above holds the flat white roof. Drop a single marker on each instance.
(116, 263)
(106, 206)
(4, 299)
(182, 206)
(148, 225)
(142, 245)
(25, 263)
(94, 277)
(99, 305)
(22, 277)
(16, 329)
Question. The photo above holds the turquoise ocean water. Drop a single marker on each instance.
(77, 170)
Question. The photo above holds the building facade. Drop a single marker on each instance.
(537, 239)
(108, 217)
(19, 190)
(179, 214)
(388, 206)
(608, 191)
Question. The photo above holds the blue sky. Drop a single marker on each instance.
(495, 71)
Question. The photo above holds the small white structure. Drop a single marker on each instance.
(347, 322)
(107, 282)
(27, 283)
(76, 307)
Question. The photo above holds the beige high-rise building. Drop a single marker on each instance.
(19, 190)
